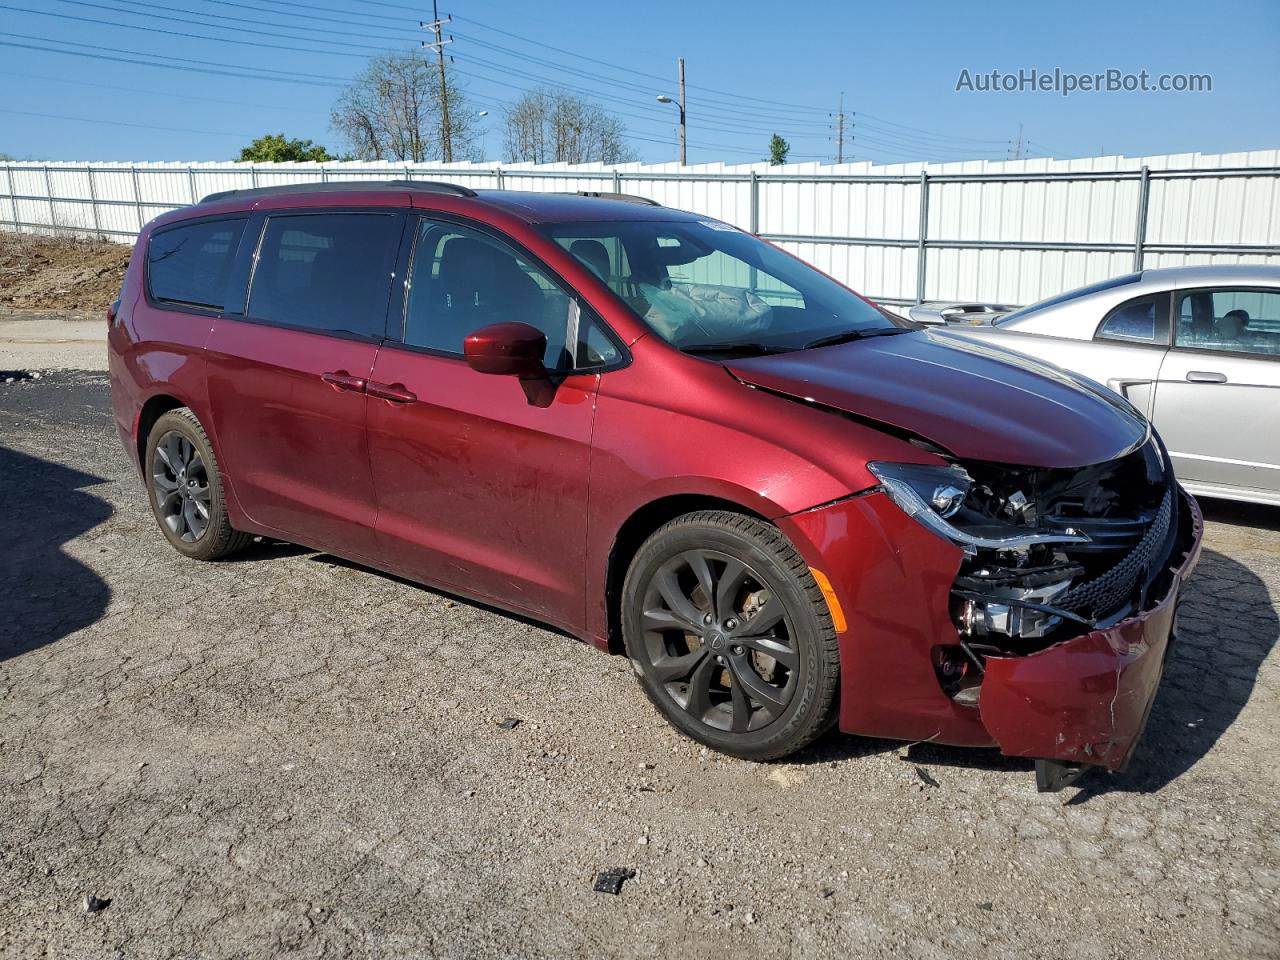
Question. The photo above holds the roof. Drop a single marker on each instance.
(534, 207)
(1170, 277)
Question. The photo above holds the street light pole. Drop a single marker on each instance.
(679, 102)
(680, 61)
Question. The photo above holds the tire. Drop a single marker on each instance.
(191, 514)
(727, 667)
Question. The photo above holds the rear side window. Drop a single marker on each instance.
(190, 265)
(1134, 321)
(326, 272)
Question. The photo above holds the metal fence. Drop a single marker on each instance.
(1012, 232)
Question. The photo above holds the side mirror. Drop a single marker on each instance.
(507, 349)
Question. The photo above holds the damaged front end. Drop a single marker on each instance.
(1063, 601)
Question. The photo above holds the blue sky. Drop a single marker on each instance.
(752, 68)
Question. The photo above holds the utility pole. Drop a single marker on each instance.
(680, 62)
(446, 140)
(840, 130)
(1016, 152)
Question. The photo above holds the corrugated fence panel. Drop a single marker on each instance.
(1012, 232)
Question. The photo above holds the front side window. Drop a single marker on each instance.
(705, 286)
(1134, 322)
(1230, 321)
(328, 272)
(463, 279)
(190, 265)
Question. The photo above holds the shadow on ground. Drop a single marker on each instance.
(47, 594)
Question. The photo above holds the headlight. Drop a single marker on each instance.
(933, 495)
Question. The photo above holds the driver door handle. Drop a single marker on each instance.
(1206, 376)
(341, 380)
(395, 392)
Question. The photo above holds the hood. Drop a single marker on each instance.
(976, 400)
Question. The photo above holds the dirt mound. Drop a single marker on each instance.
(59, 273)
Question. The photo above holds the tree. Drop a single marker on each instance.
(554, 126)
(393, 111)
(778, 150)
(274, 148)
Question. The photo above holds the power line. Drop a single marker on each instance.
(153, 93)
(179, 33)
(122, 123)
(209, 66)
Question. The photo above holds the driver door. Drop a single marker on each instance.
(479, 487)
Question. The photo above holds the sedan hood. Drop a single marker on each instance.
(976, 400)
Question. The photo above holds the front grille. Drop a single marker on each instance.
(1106, 593)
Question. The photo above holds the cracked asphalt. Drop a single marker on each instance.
(287, 755)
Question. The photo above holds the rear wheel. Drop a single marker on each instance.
(730, 635)
(185, 488)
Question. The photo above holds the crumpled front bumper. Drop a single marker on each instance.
(1081, 701)
(1086, 700)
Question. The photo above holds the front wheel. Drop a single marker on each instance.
(730, 635)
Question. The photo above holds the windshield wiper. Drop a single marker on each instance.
(850, 335)
(755, 349)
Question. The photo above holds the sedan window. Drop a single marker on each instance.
(1230, 321)
(1134, 322)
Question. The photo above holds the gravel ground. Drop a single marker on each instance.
(286, 755)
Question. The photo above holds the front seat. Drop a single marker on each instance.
(594, 254)
(479, 285)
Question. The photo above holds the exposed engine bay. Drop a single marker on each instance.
(1049, 553)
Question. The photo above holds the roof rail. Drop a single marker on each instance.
(426, 186)
(624, 197)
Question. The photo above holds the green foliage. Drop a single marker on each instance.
(778, 150)
(274, 148)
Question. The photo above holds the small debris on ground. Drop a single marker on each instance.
(611, 880)
(986, 905)
(926, 777)
(510, 723)
(92, 903)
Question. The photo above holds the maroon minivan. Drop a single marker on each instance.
(663, 435)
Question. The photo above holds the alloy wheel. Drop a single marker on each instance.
(180, 485)
(719, 641)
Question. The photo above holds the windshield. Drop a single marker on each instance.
(1070, 295)
(706, 286)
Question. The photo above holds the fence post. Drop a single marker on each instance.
(48, 186)
(93, 204)
(191, 183)
(617, 181)
(498, 173)
(324, 174)
(13, 202)
(137, 196)
(921, 251)
(755, 202)
(253, 173)
(1140, 231)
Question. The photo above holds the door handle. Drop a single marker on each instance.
(341, 380)
(1206, 376)
(395, 392)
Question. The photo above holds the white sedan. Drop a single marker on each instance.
(1197, 349)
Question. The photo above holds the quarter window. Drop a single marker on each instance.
(1134, 321)
(190, 265)
(326, 272)
(1230, 321)
(463, 280)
